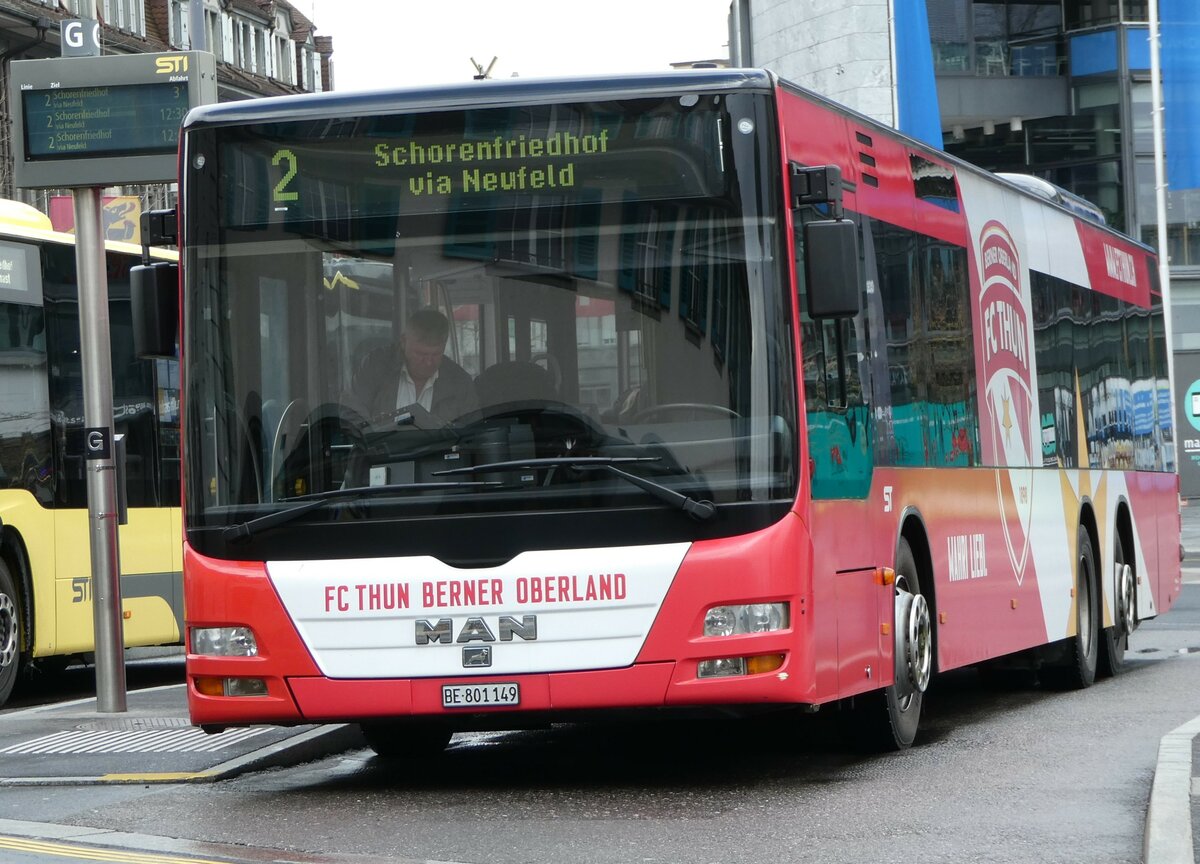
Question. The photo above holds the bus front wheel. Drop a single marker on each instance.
(887, 719)
(10, 633)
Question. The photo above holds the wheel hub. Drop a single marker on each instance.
(8, 632)
(1126, 607)
(914, 644)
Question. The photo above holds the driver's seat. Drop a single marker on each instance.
(514, 381)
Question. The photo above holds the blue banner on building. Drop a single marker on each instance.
(1180, 36)
(915, 87)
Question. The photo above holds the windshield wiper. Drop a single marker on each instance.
(242, 530)
(697, 509)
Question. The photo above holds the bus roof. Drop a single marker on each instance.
(473, 93)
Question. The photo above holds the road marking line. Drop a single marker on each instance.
(63, 850)
(155, 777)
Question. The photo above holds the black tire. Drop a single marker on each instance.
(1078, 668)
(1115, 641)
(399, 739)
(10, 633)
(888, 719)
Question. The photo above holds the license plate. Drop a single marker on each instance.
(481, 695)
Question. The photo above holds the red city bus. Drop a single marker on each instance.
(757, 404)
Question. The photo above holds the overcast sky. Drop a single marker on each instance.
(399, 43)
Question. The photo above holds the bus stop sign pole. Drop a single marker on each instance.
(100, 451)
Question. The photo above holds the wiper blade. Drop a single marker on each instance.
(696, 508)
(242, 530)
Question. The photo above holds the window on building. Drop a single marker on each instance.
(991, 39)
(1183, 216)
(175, 37)
(1141, 103)
(214, 32)
(1135, 11)
(1079, 14)
(283, 60)
(260, 52)
(996, 37)
(949, 35)
(125, 14)
(310, 67)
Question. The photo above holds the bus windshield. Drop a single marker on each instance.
(503, 310)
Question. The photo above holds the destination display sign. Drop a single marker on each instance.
(130, 119)
(103, 121)
(484, 159)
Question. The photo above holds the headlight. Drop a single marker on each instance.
(224, 641)
(748, 618)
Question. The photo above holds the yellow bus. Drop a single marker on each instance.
(45, 566)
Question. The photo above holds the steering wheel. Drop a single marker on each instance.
(283, 443)
(329, 450)
(683, 411)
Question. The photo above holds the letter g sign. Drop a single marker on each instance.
(97, 443)
(80, 38)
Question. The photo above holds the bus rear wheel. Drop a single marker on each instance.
(888, 719)
(10, 633)
(405, 739)
(1116, 637)
(1077, 668)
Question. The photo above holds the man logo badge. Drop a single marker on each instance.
(478, 657)
(477, 629)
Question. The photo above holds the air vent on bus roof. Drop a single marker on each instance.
(1057, 194)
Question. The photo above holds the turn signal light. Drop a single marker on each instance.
(763, 663)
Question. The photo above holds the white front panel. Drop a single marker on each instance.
(364, 618)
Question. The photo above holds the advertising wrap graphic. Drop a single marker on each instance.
(1012, 433)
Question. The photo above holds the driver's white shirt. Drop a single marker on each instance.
(406, 393)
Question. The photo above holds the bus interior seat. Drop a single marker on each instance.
(514, 381)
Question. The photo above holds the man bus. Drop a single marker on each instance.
(776, 407)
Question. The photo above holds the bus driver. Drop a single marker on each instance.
(421, 375)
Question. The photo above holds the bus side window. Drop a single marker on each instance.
(834, 354)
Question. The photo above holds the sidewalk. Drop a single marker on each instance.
(152, 742)
(1173, 807)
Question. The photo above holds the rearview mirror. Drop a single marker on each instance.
(154, 296)
(831, 268)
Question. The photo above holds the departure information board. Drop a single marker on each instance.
(104, 121)
(126, 119)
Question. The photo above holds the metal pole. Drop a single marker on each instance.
(98, 445)
(893, 67)
(96, 360)
(1160, 202)
(740, 53)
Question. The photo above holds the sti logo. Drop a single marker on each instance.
(172, 65)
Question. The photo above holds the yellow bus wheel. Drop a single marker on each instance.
(10, 633)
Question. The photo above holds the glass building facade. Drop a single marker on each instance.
(1100, 144)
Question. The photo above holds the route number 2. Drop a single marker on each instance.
(281, 190)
